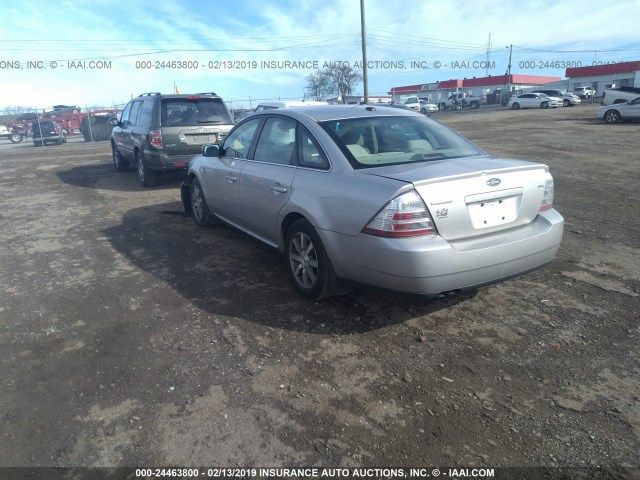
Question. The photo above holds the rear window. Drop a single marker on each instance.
(381, 141)
(176, 112)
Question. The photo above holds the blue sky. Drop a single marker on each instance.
(204, 46)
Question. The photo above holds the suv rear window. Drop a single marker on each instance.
(176, 112)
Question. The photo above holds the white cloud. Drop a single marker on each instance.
(232, 31)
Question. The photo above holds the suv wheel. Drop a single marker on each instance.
(146, 177)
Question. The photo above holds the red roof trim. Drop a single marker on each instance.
(623, 67)
(481, 82)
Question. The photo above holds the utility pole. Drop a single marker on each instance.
(510, 47)
(365, 77)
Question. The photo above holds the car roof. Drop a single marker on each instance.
(339, 112)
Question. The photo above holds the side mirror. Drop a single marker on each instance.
(113, 122)
(211, 150)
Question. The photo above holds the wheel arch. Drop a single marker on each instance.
(286, 223)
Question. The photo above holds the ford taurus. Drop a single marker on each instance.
(374, 196)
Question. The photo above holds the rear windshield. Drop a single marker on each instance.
(380, 141)
(177, 112)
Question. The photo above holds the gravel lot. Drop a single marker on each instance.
(131, 337)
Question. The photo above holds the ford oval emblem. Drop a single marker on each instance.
(493, 182)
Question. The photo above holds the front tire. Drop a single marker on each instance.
(16, 138)
(118, 161)
(308, 265)
(612, 116)
(146, 177)
(201, 212)
(544, 105)
(566, 103)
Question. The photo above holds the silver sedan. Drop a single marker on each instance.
(625, 112)
(382, 197)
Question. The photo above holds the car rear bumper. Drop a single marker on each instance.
(430, 265)
(163, 163)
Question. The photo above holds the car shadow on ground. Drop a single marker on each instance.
(105, 177)
(223, 271)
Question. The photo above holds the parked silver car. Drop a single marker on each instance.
(384, 197)
(625, 112)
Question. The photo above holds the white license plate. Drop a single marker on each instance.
(493, 212)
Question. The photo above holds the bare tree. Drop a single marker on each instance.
(343, 78)
(319, 85)
(339, 79)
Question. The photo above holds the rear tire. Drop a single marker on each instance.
(146, 177)
(515, 106)
(308, 265)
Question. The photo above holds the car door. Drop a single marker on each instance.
(121, 132)
(220, 175)
(632, 110)
(265, 183)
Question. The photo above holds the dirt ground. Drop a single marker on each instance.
(131, 337)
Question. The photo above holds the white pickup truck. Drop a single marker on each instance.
(613, 96)
(10, 135)
(460, 100)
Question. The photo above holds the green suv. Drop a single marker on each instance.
(160, 133)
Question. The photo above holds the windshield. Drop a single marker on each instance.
(194, 111)
(380, 141)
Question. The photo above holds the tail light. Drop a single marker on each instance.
(155, 139)
(547, 199)
(404, 216)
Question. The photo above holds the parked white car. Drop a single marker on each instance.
(568, 99)
(427, 107)
(534, 100)
(585, 92)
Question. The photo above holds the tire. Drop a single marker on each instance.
(566, 103)
(515, 106)
(199, 207)
(423, 111)
(475, 105)
(15, 138)
(544, 105)
(612, 116)
(146, 177)
(118, 161)
(308, 265)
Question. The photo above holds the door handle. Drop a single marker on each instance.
(278, 188)
(231, 178)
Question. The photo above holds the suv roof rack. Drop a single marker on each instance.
(207, 93)
(148, 94)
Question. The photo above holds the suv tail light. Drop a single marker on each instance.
(155, 139)
(404, 216)
(547, 199)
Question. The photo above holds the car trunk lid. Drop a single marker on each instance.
(474, 196)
